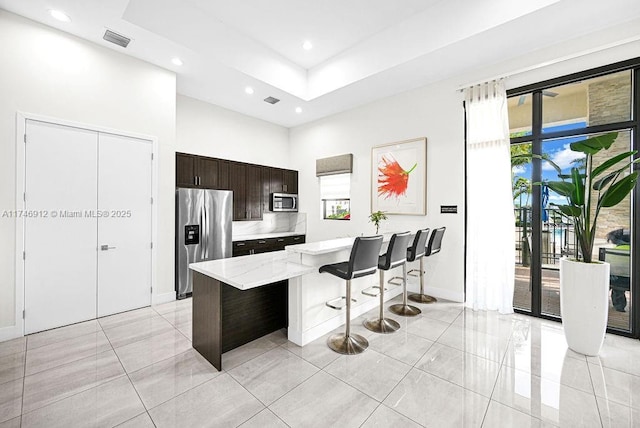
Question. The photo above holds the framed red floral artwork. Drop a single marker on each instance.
(399, 177)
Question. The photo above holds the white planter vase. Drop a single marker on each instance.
(584, 302)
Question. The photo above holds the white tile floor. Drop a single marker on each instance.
(446, 367)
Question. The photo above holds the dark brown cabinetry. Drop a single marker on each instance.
(290, 181)
(245, 180)
(257, 246)
(254, 192)
(197, 171)
(251, 184)
(283, 180)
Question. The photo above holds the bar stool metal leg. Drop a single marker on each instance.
(382, 324)
(422, 298)
(347, 343)
(404, 309)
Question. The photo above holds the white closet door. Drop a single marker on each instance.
(124, 228)
(60, 239)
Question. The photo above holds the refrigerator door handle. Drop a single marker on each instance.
(203, 236)
(206, 230)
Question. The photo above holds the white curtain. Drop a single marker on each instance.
(490, 216)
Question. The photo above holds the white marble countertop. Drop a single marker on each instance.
(329, 246)
(252, 271)
(264, 236)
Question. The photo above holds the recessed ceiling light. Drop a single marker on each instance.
(298, 110)
(248, 90)
(59, 15)
(307, 45)
(177, 61)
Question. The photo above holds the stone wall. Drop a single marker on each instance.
(609, 102)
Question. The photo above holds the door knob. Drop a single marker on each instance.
(106, 247)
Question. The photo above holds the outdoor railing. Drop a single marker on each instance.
(557, 240)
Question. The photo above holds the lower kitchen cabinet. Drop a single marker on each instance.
(257, 246)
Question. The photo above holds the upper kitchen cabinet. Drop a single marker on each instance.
(223, 175)
(266, 188)
(276, 180)
(283, 180)
(207, 171)
(185, 170)
(245, 180)
(290, 181)
(254, 192)
(197, 171)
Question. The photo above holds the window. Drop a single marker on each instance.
(335, 194)
(544, 119)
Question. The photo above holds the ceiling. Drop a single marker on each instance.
(363, 50)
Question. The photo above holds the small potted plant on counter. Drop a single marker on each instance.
(376, 218)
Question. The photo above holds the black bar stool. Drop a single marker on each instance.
(363, 261)
(434, 247)
(403, 309)
(395, 256)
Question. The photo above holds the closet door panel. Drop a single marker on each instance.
(60, 234)
(124, 223)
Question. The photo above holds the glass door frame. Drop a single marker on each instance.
(536, 139)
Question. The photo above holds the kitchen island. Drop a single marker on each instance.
(240, 299)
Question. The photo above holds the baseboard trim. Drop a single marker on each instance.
(157, 298)
(11, 332)
(440, 293)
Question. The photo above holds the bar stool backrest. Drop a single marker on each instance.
(418, 247)
(435, 241)
(364, 256)
(396, 251)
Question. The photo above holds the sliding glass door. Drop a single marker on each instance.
(544, 120)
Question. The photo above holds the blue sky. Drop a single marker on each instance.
(560, 153)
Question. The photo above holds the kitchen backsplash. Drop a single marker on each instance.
(272, 223)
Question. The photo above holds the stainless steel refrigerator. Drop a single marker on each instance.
(203, 231)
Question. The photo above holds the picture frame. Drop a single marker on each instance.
(399, 177)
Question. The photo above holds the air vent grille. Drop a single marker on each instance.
(116, 38)
(271, 100)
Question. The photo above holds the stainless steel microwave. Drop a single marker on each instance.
(283, 202)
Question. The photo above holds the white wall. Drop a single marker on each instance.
(50, 73)
(209, 130)
(436, 112)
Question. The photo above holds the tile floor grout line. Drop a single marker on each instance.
(371, 414)
(294, 387)
(148, 337)
(259, 401)
(24, 375)
(495, 382)
(74, 394)
(136, 416)
(68, 362)
(65, 339)
(595, 397)
(128, 377)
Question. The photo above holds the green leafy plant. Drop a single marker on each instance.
(376, 218)
(590, 191)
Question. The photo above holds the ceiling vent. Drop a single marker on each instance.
(116, 38)
(271, 100)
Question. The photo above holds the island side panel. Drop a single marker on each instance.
(250, 314)
(207, 321)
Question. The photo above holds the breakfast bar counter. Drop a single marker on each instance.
(240, 299)
(309, 316)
